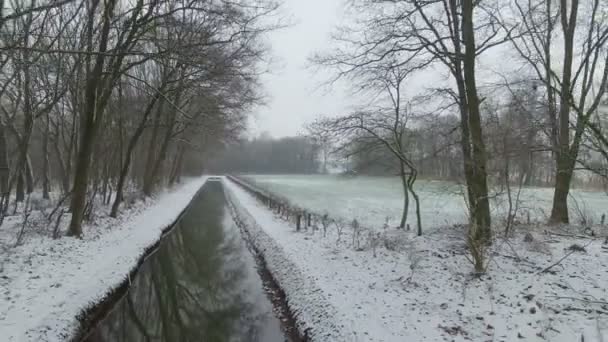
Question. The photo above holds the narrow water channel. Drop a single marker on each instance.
(201, 284)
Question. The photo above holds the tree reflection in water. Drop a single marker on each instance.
(201, 285)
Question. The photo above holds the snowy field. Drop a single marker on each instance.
(371, 200)
(46, 283)
(395, 286)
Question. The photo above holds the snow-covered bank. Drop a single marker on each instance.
(315, 316)
(421, 289)
(46, 283)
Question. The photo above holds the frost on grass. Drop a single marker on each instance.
(45, 283)
(541, 283)
(371, 199)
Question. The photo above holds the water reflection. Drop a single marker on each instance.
(201, 285)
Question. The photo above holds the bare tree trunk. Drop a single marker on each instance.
(410, 186)
(81, 177)
(563, 177)
(29, 175)
(65, 179)
(465, 129)
(70, 158)
(176, 169)
(4, 173)
(23, 167)
(406, 196)
(551, 110)
(90, 118)
(481, 212)
(529, 169)
(45, 161)
(20, 189)
(147, 181)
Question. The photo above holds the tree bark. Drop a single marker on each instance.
(91, 116)
(177, 165)
(551, 110)
(65, 179)
(465, 130)
(147, 181)
(23, 167)
(410, 186)
(481, 212)
(29, 175)
(563, 176)
(406, 197)
(4, 170)
(45, 161)
(20, 189)
(81, 178)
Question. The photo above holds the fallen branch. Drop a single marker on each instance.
(570, 235)
(59, 204)
(581, 300)
(571, 308)
(560, 260)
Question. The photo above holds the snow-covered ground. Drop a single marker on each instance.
(410, 288)
(46, 283)
(371, 200)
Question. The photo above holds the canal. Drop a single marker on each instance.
(202, 284)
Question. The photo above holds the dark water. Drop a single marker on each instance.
(201, 285)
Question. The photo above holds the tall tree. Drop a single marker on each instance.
(577, 87)
(74, 98)
(424, 34)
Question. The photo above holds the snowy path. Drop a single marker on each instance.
(45, 283)
(424, 292)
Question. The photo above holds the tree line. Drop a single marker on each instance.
(265, 154)
(545, 113)
(515, 138)
(98, 97)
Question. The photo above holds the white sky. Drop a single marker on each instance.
(295, 92)
(294, 97)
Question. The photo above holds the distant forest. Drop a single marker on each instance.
(267, 155)
(432, 145)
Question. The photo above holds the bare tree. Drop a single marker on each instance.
(584, 35)
(84, 83)
(384, 126)
(450, 33)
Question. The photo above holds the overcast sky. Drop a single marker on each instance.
(295, 92)
(292, 88)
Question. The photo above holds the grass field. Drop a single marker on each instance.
(391, 285)
(371, 199)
